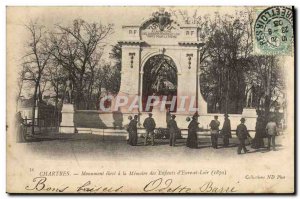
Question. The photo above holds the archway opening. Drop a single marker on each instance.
(159, 79)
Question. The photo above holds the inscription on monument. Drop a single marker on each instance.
(153, 32)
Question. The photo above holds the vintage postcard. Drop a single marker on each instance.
(169, 100)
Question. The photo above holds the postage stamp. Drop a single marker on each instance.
(273, 31)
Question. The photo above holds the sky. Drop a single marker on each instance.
(18, 17)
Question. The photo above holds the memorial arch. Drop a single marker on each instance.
(160, 52)
(161, 36)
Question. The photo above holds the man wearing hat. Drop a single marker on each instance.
(149, 124)
(172, 126)
(242, 134)
(214, 126)
(129, 130)
(226, 131)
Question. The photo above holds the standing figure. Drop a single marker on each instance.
(69, 88)
(172, 126)
(250, 89)
(271, 129)
(132, 129)
(214, 126)
(242, 134)
(192, 140)
(129, 127)
(168, 115)
(258, 141)
(149, 124)
(21, 128)
(226, 130)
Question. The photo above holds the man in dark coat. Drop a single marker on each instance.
(214, 126)
(168, 115)
(258, 141)
(226, 131)
(192, 140)
(242, 134)
(132, 129)
(129, 130)
(172, 126)
(149, 124)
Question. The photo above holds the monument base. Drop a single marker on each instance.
(249, 112)
(66, 129)
(250, 115)
(67, 119)
(159, 117)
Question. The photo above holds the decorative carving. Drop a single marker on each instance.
(162, 18)
(162, 51)
(131, 59)
(189, 59)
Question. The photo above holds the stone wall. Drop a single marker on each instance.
(94, 119)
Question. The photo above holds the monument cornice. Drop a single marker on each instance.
(131, 26)
(191, 43)
(131, 42)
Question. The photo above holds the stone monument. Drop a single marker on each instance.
(249, 111)
(67, 112)
(67, 119)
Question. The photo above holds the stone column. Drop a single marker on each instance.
(187, 78)
(130, 74)
(141, 90)
(202, 104)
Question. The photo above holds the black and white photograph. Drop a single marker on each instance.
(150, 99)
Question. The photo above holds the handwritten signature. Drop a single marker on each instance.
(168, 186)
(159, 185)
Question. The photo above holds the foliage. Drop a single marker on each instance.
(228, 66)
(229, 69)
(69, 52)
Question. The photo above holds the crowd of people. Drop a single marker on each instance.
(262, 131)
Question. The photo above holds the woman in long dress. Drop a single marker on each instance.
(129, 129)
(192, 140)
(260, 134)
(132, 130)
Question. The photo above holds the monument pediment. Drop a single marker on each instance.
(161, 18)
(160, 27)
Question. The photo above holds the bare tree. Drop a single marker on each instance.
(77, 49)
(57, 77)
(267, 73)
(227, 50)
(36, 60)
(228, 66)
(21, 76)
